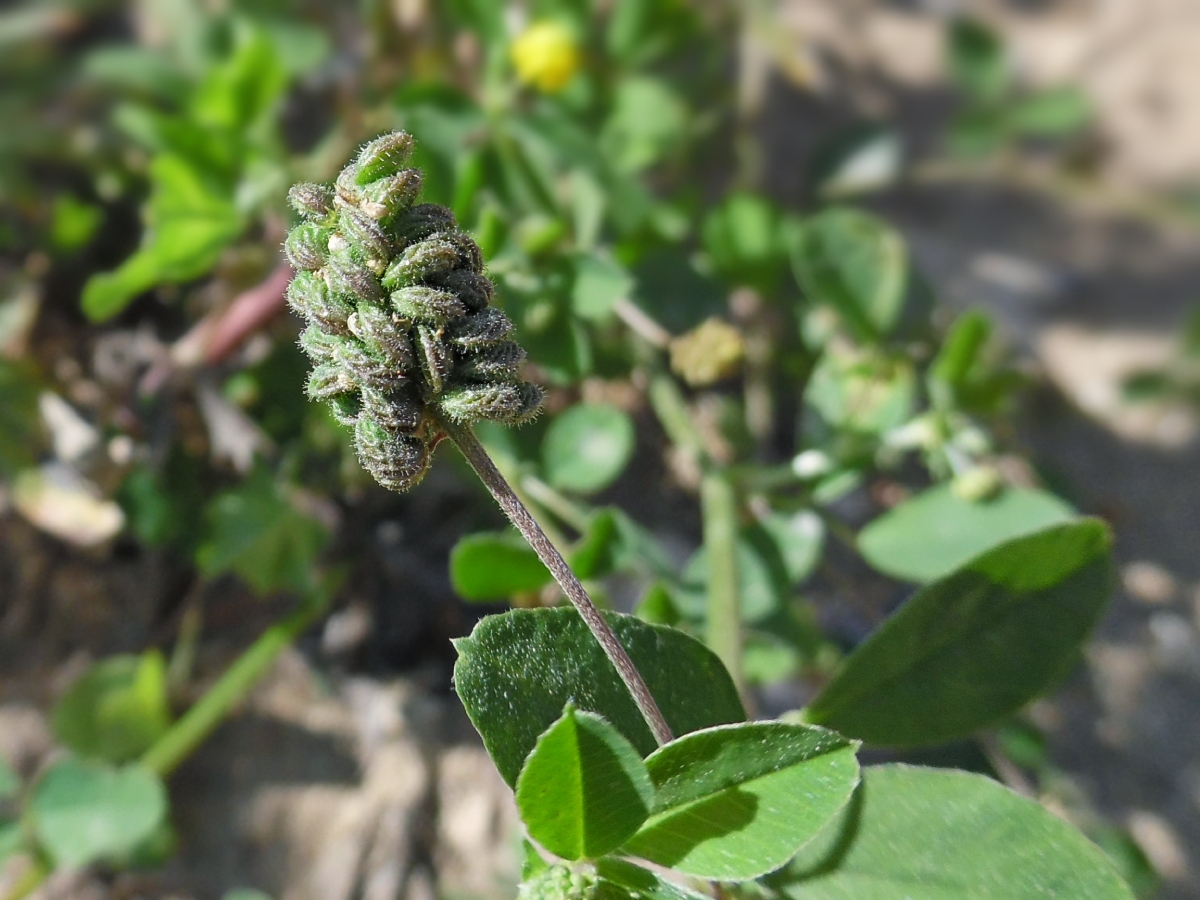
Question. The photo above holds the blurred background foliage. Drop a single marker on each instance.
(758, 407)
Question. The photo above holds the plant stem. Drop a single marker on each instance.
(718, 503)
(206, 714)
(519, 515)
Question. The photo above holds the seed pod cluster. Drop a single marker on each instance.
(400, 330)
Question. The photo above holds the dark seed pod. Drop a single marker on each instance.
(498, 362)
(478, 329)
(422, 221)
(385, 198)
(396, 461)
(350, 278)
(422, 262)
(398, 412)
(401, 334)
(434, 357)
(313, 201)
(383, 156)
(427, 305)
(473, 289)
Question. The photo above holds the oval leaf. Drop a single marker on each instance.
(84, 812)
(937, 531)
(117, 709)
(494, 566)
(584, 788)
(516, 672)
(738, 801)
(977, 645)
(936, 834)
(856, 263)
(587, 447)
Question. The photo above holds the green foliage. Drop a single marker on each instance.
(737, 801)
(85, 812)
(976, 645)
(495, 566)
(256, 532)
(584, 789)
(855, 263)
(516, 672)
(20, 430)
(929, 535)
(116, 710)
(587, 447)
(945, 835)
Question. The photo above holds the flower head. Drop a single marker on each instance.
(546, 56)
(399, 328)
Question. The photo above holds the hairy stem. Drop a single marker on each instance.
(519, 515)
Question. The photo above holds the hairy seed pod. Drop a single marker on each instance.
(396, 461)
(319, 344)
(478, 329)
(422, 221)
(427, 305)
(364, 233)
(368, 369)
(347, 277)
(313, 201)
(387, 197)
(422, 262)
(400, 330)
(381, 331)
(399, 412)
(383, 156)
(498, 362)
(504, 401)
(434, 357)
(306, 246)
(473, 289)
(346, 408)
(309, 295)
(327, 380)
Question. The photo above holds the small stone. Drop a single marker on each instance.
(1149, 582)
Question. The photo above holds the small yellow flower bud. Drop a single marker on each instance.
(707, 354)
(546, 56)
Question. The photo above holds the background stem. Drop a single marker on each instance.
(473, 451)
(718, 501)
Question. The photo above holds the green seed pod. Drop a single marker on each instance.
(382, 332)
(364, 234)
(478, 329)
(400, 330)
(313, 201)
(347, 277)
(383, 156)
(427, 305)
(396, 461)
(387, 197)
(506, 401)
(327, 380)
(422, 262)
(434, 357)
(309, 295)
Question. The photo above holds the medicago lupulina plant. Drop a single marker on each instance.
(629, 744)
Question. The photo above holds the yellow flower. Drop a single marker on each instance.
(546, 56)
